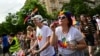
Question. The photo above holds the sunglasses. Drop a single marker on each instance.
(61, 17)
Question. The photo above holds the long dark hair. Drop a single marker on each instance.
(68, 15)
(12, 34)
(85, 19)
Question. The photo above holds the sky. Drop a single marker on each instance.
(9, 6)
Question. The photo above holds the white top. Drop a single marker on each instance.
(98, 22)
(73, 36)
(42, 35)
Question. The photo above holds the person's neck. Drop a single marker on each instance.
(65, 29)
(84, 21)
(40, 25)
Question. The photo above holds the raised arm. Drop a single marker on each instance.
(53, 38)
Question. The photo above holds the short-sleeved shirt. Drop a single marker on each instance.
(89, 28)
(72, 37)
(42, 34)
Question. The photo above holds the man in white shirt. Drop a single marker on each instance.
(43, 33)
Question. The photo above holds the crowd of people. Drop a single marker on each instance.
(65, 37)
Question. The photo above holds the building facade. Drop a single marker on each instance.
(56, 5)
(53, 5)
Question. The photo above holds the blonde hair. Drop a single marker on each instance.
(30, 28)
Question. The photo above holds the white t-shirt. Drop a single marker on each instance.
(72, 37)
(42, 35)
(98, 22)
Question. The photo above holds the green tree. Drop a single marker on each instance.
(76, 7)
(97, 10)
(26, 10)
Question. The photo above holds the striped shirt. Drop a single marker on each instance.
(88, 28)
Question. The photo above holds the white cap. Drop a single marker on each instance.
(38, 17)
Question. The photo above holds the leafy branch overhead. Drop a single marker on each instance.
(15, 22)
(29, 6)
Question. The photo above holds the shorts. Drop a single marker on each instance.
(89, 40)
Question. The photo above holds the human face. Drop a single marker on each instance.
(82, 18)
(36, 21)
(63, 20)
(88, 18)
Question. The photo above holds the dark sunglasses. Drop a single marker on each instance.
(61, 17)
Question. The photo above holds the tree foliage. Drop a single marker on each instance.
(77, 7)
(29, 6)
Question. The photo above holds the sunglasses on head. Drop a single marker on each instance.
(61, 17)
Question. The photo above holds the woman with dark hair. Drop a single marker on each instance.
(88, 29)
(69, 39)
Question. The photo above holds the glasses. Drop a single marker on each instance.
(61, 17)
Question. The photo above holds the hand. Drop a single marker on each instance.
(83, 35)
(35, 52)
(96, 43)
(29, 50)
(72, 46)
(10, 38)
(97, 32)
(53, 26)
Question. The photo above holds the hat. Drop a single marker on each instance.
(38, 17)
(45, 22)
(66, 13)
